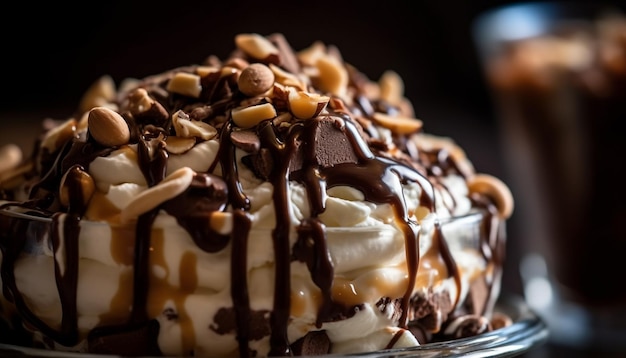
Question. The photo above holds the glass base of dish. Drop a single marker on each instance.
(527, 332)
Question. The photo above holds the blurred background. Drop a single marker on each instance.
(53, 53)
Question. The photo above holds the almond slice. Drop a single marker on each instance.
(391, 87)
(98, 94)
(57, 136)
(286, 78)
(185, 127)
(309, 55)
(398, 125)
(333, 77)
(179, 145)
(247, 117)
(256, 46)
(173, 185)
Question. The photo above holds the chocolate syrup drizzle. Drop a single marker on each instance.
(379, 178)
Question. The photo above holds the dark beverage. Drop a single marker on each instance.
(558, 77)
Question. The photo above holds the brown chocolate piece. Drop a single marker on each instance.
(288, 59)
(329, 145)
(246, 140)
(260, 163)
(477, 297)
(420, 333)
(471, 325)
(323, 143)
(426, 310)
(135, 340)
(156, 114)
(314, 343)
(225, 323)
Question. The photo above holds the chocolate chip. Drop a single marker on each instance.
(314, 343)
(170, 314)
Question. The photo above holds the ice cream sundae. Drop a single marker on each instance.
(272, 203)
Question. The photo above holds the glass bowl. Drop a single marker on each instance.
(526, 331)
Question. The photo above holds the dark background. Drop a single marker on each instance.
(52, 53)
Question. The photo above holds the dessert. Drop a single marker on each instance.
(273, 203)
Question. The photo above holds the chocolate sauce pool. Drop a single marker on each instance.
(287, 154)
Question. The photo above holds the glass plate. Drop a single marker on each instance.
(528, 331)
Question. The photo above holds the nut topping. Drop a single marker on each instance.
(141, 105)
(255, 80)
(58, 135)
(309, 56)
(107, 127)
(186, 84)
(306, 105)
(495, 189)
(10, 157)
(285, 78)
(185, 127)
(399, 125)
(99, 93)
(179, 145)
(391, 87)
(333, 77)
(247, 117)
(173, 185)
(257, 46)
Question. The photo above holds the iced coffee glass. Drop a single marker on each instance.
(557, 74)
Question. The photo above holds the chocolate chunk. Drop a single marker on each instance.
(246, 140)
(323, 143)
(471, 325)
(260, 163)
(155, 114)
(477, 297)
(431, 310)
(131, 340)
(287, 56)
(225, 323)
(206, 193)
(420, 333)
(314, 343)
